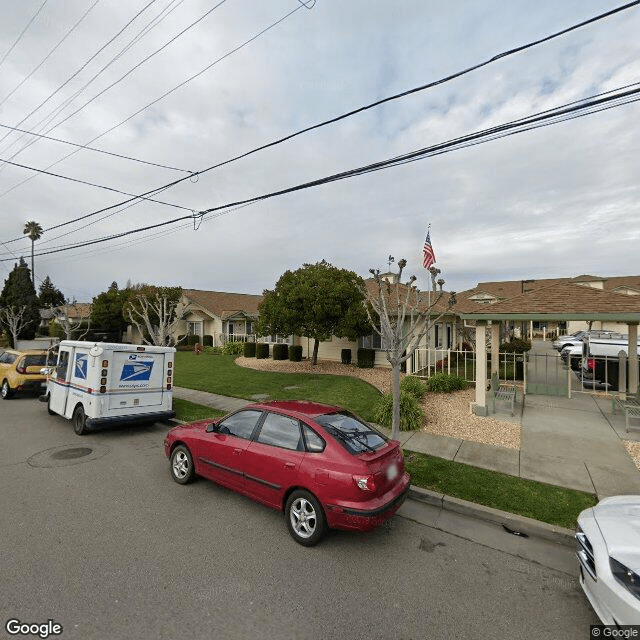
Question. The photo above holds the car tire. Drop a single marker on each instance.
(305, 518)
(5, 391)
(181, 466)
(79, 420)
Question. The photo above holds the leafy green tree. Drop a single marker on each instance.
(49, 295)
(107, 311)
(34, 231)
(316, 301)
(18, 292)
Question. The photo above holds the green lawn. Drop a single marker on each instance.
(190, 411)
(544, 502)
(220, 374)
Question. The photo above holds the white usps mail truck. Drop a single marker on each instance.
(99, 383)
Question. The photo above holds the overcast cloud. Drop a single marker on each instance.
(557, 201)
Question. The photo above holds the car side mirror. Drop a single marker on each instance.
(213, 427)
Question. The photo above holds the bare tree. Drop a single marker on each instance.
(72, 328)
(16, 320)
(404, 319)
(156, 314)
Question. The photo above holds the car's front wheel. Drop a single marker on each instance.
(182, 470)
(5, 391)
(305, 518)
(79, 420)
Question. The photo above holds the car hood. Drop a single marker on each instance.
(619, 521)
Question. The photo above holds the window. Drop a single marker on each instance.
(63, 365)
(194, 328)
(355, 436)
(35, 360)
(315, 443)
(277, 340)
(8, 358)
(372, 341)
(240, 424)
(281, 431)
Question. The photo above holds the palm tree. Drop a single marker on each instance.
(34, 231)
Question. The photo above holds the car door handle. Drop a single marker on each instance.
(237, 451)
(289, 465)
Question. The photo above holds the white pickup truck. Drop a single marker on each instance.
(99, 383)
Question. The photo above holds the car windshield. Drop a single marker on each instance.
(355, 436)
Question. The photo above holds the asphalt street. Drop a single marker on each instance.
(104, 543)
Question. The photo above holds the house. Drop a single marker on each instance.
(74, 312)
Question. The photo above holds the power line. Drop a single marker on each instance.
(90, 184)
(553, 116)
(66, 35)
(164, 95)
(88, 148)
(17, 40)
(353, 112)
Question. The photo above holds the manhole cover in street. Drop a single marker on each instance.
(67, 455)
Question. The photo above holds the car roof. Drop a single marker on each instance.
(27, 352)
(305, 408)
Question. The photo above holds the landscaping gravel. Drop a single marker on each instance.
(448, 414)
(634, 451)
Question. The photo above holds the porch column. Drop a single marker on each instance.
(531, 330)
(495, 346)
(633, 358)
(480, 405)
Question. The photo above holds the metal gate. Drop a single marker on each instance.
(545, 374)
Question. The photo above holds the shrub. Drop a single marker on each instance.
(515, 345)
(366, 358)
(444, 383)
(280, 351)
(414, 386)
(295, 353)
(234, 348)
(441, 365)
(249, 350)
(411, 413)
(207, 341)
(213, 351)
(345, 356)
(192, 341)
(262, 350)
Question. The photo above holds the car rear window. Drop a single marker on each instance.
(35, 360)
(355, 436)
(8, 358)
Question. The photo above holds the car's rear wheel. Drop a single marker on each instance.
(305, 518)
(182, 470)
(79, 420)
(5, 390)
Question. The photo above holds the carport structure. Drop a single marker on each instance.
(557, 302)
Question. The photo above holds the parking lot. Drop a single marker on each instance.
(99, 539)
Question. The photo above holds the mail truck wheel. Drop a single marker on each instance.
(5, 391)
(51, 413)
(79, 420)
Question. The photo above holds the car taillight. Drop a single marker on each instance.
(366, 483)
(591, 363)
(21, 369)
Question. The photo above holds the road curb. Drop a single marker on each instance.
(516, 524)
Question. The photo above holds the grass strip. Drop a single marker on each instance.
(220, 374)
(537, 500)
(190, 411)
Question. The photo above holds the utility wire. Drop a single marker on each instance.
(372, 105)
(88, 148)
(17, 40)
(66, 35)
(90, 184)
(164, 95)
(554, 116)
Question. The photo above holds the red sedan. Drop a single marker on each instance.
(320, 464)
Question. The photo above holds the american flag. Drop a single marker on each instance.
(427, 251)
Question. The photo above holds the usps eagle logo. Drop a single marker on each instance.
(136, 371)
(80, 370)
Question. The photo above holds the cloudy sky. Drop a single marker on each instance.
(560, 200)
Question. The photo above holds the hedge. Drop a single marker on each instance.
(366, 358)
(249, 349)
(262, 350)
(295, 353)
(280, 351)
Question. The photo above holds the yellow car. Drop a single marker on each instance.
(20, 371)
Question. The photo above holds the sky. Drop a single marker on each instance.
(554, 201)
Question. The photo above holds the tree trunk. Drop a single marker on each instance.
(316, 344)
(395, 424)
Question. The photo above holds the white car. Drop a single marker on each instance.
(608, 537)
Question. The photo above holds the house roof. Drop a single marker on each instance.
(222, 304)
(560, 301)
(77, 310)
